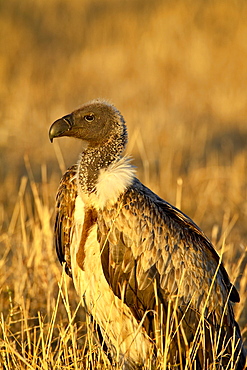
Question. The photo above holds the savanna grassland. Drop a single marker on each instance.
(177, 70)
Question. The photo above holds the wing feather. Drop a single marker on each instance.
(65, 205)
(154, 254)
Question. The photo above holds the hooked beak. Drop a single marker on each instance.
(60, 127)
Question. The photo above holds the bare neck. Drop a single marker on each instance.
(95, 158)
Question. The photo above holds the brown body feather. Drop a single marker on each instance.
(157, 255)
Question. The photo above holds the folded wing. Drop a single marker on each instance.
(65, 206)
(168, 273)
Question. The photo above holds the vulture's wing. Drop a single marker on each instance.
(65, 205)
(153, 254)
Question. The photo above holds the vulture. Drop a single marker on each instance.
(144, 271)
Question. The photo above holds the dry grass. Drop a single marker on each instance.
(177, 70)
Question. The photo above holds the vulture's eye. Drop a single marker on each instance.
(89, 117)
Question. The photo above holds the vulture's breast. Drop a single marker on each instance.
(114, 317)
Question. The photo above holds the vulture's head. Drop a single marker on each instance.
(95, 122)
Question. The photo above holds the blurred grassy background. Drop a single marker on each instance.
(177, 70)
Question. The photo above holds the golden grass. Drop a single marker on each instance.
(177, 70)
